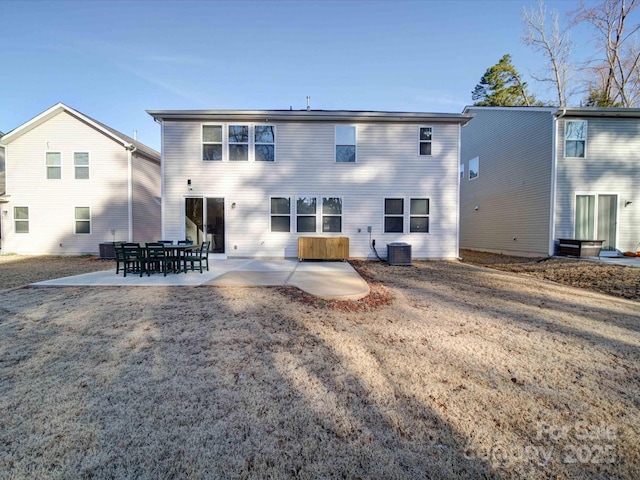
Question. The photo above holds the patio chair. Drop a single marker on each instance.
(157, 259)
(165, 242)
(132, 258)
(198, 257)
(117, 248)
(185, 242)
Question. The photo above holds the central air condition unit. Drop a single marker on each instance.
(398, 253)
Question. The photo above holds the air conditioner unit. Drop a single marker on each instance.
(398, 253)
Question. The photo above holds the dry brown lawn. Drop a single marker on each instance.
(452, 371)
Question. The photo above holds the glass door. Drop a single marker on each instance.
(596, 219)
(204, 220)
(607, 212)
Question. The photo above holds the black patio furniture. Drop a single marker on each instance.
(132, 258)
(157, 259)
(199, 256)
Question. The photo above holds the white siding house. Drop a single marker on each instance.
(72, 183)
(543, 174)
(253, 182)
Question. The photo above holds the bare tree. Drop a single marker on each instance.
(616, 78)
(555, 45)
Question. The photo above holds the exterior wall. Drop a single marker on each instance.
(611, 166)
(146, 199)
(52, 202)
(388, 165)
(513, 188)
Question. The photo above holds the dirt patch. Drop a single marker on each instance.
(619, 281)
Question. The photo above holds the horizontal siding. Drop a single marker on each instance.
(513, 188)
(146, 199)
(612, 166)
(388, 165)
(52, 202)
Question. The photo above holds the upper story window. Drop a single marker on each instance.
(280, 214)
(575, 138)
(81, 165)
(264, 143)
(474, 168)
(212, 142)
(21, 219)
(345, 143)
(83, 220)
(54, 165)
(238, 142)
(426, 134)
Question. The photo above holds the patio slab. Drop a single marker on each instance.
(329, 280)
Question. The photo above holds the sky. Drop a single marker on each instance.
(113, 60)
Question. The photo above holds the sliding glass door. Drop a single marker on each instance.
(596, 218)
(204, 220)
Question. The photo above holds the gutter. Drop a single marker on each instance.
(554, 180)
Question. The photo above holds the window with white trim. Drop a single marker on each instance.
(280, 214)
(474, 168)
(21, 219)
(575, 138)
(211, 143)
(426, 135)
(238, 142)
(81, 165)
(264, 140)
(306, 210)
(82, 220)
(394, 215)
(345, 143)
(54, 165)
(419, 215)
(332, 214)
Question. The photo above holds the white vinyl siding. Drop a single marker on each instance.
(305, 166)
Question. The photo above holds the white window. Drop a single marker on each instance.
(419, 215)
(238, 142)
(280, 214)
(83, 220)
(332, 214)
(575, 138)
(474, 168)
(345, 143)
(395, 215)
(264, 143)
(306, 210)
(54, 165)
(211, 143)
(21, 219)
(81, 165)
(425, 140)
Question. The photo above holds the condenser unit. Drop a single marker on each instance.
(398, 253)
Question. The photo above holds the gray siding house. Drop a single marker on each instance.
(70, 183)
(253, 182)
(531, 176)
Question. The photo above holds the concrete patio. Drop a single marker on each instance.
(329, 280)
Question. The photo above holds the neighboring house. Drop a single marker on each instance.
(73, 183)
(253, 182)
(532, 176)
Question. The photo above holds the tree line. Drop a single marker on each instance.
(610, 78)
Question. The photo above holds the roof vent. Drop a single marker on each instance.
(308, 103)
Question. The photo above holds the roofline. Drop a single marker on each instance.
(528, 109)
(126, 142)
(309, 116)
(598, 112)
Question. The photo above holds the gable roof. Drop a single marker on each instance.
(126, 141)
(310, 116)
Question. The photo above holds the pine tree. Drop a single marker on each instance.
(502, 85)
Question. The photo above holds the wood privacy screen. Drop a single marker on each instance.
(323, 248)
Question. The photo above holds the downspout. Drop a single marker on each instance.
(554, 174)
(162, 205)
(130, 151)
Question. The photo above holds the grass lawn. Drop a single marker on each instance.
(459, 372)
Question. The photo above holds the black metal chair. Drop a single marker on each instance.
(198, 257)
(157, 259)
(185, 242)
(117, 249)
(132, 258)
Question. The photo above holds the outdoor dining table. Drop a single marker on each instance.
(176, 252)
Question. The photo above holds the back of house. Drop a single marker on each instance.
(253, 182)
